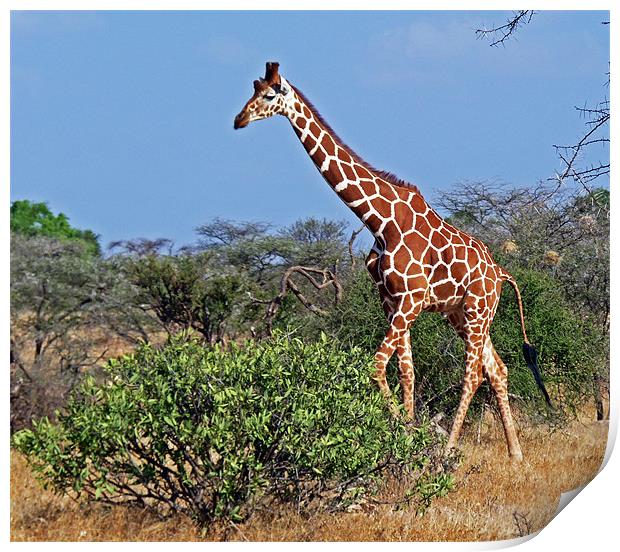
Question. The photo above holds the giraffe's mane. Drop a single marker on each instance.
(384, 175)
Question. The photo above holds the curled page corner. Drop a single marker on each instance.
(567, 497)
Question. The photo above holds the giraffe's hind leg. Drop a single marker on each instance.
(495, 371)
(471, 382)
(407, 375)
(497, 374)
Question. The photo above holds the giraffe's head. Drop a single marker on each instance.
(272, 95)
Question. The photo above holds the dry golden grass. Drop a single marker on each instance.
(493, 499)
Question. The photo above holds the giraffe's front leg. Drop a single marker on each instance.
(397, 337)
(382, 357)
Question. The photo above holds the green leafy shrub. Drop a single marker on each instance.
(210, 432)
(571, 349)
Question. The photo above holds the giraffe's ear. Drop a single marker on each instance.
(259, 85)
(271, 72)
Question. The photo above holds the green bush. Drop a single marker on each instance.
(571, 349)
(210, 432)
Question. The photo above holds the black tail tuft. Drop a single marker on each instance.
(531, 359)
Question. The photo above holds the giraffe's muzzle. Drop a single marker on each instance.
(241, 120)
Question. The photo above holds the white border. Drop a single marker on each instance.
(589, 521)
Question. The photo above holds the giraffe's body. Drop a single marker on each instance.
(419, 262)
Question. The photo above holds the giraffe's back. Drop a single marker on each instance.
(434, 260)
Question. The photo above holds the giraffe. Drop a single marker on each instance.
(419, 262)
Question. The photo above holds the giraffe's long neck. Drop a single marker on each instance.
(365, 192)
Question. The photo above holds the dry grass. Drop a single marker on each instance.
(494, 499)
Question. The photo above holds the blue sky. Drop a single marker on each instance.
(123, 120)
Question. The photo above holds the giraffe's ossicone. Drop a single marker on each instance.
(419, 261)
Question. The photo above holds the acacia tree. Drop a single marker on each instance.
(288, 271)
(64, 302)
(186, 291)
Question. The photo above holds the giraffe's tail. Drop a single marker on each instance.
(529, 352)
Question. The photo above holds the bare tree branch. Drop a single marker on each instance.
(327, 278)
(596, 133)
(354, 235)
(16, 360)
(499, 35)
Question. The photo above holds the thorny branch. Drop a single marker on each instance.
(500, 34)
(598, 119)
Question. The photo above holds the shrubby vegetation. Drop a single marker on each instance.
(214, 433)
(216, 425)
(245, 280)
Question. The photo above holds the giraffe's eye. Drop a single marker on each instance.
(270, 97)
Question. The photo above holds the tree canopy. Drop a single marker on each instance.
(36, 219)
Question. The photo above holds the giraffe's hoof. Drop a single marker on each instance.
(410, 422)
(516, 457)
(449, 450)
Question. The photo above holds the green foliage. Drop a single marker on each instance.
(314, 242)
(359, 320)
(572, 349)
(209, 432)
(598, 196)
(186, 291)
(35, 219)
